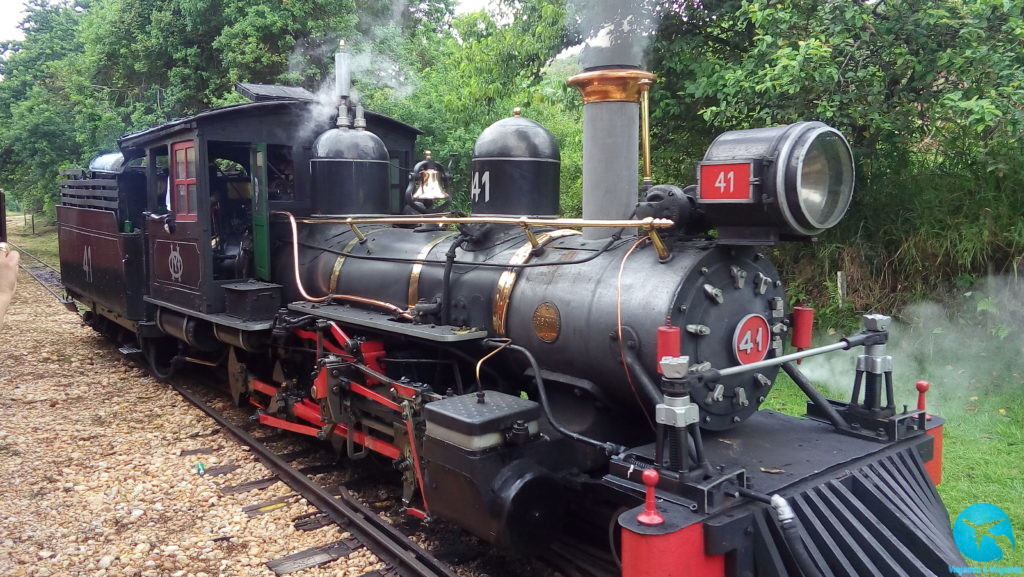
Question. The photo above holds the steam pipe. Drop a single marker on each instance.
(650, 390)
(342, 73)
(446, 283)
(350, 298)
(608, 448)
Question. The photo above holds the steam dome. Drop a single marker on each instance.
(516, 164)
(349, 171)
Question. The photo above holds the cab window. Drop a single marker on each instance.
(183, 180)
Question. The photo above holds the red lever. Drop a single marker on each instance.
(650, 515)
(922, 388)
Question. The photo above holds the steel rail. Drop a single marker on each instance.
(33, 271)
(393, 548)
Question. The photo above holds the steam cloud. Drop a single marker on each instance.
(616, 31)
(966, 356)
(369, 67)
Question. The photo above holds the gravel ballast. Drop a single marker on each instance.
(95, 482)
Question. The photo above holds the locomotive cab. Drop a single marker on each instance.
(182, 214)
(212, 179)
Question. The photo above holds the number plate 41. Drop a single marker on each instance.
(725, 182)
(752, 339)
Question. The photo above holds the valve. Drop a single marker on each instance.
(922, 388)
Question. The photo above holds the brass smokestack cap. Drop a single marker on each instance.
(612, 85)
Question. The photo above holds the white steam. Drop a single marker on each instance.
(964, 356)
(616, 31)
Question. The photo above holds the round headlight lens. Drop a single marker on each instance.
(824, 184)
(761, 185)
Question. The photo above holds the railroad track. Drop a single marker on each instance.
(364, 519)
(43, 273)
(402, 556)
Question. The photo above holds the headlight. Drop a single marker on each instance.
(757, 186)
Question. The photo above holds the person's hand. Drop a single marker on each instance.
(9, 260)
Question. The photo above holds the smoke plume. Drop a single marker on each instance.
(964, 354)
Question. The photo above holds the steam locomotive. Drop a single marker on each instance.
(521, 371)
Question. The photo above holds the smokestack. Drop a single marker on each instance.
(612, 83)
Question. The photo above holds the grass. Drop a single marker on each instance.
(42, 244)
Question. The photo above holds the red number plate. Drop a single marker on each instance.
(725, 181)
(752, 339)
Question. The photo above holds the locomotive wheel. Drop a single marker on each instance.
(237, 378)
(162, 356)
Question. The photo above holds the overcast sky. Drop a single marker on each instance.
(11, 14)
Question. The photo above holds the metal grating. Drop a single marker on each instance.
(884, 518)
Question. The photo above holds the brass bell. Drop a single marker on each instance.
(430, 187)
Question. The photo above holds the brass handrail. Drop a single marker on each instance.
(644, 223)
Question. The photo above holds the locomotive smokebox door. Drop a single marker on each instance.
(482, 453)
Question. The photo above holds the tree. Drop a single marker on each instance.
(930, 93)
(468, 76)
(35, 112)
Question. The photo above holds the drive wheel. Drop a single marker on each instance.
(162, 356)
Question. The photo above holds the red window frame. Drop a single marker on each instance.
(184, 190)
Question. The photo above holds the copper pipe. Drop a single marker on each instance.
(646, 223)
(295, 259)
(399, 311)
(350, 298)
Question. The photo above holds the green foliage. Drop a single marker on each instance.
(930, 94)
(476, 73)
(90, 70)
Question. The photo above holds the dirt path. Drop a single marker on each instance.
(94, 481)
